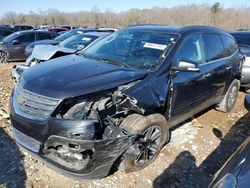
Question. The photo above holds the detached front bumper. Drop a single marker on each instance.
(72, 147)
(86, 159)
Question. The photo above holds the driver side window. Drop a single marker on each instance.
(191, 50)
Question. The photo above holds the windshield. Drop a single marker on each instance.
(11, 37)
(139, 49)
(67, 35)
(78, 42)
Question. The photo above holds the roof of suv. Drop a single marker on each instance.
(180, 30)
(247, 32)
(95, 33)
(32, 31)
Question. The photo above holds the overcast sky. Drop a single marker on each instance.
(24, 6)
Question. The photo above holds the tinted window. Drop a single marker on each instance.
(7, 32)
(42, 36)
(214, 45)
(192, 50)
(242, 38)
(11, 37)
(78, 42)
(229, 45)
(28, 37)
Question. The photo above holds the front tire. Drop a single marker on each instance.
(229, 100)
(155, 134)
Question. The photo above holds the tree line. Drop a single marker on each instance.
(205, 14)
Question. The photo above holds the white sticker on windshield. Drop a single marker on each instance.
(155, 46)
(86, 39)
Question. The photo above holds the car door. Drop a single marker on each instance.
(189, 89)
(17, 46)
(220, 65)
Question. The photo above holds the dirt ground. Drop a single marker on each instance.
(197, 149)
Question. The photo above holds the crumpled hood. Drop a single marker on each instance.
(74, 75)
(45, 52)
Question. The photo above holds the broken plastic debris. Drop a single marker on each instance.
(4, 114)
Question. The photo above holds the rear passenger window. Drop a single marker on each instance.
(7, 32)
(42, 36)
(229, 44)
(214, 45)
(29, 37)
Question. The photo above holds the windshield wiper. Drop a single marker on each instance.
(110, 61)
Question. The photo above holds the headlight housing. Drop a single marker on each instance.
(74, 109)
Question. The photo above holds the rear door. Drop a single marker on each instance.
(220, 65)
(190, 91)
(17, 46)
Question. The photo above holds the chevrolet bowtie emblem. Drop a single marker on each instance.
(20, 100)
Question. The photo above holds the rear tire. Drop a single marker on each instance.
(156, 134)
(3, 58)
(229, 100)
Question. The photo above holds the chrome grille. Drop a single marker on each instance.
(32, 105)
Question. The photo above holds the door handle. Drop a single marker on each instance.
(228, 67)
(206, 75)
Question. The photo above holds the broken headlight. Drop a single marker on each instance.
(84, 107)
(74, 109)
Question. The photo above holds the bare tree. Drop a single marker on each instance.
(215, 9)
(205, 14)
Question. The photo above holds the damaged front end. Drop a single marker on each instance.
(79, 136)
(40, 54)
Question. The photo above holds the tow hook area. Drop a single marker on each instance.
(83, 156)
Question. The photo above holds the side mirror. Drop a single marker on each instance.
(14, 42)
(188, 66)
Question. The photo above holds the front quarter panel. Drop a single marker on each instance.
(151, 94)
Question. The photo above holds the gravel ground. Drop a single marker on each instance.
(198, 148)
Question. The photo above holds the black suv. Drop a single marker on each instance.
(12, 47)
(115, 102)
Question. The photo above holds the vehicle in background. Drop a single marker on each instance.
(43, 53)
(61, 32)
(44, 27)
(108, 29)
(4, 25)
(21, 27)
(247, 102)
(57, 40)
(5, 31)
(12, 47)
(235, 173)
(243, 39)
(115, 101)
(57, 29)
(68, 27)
